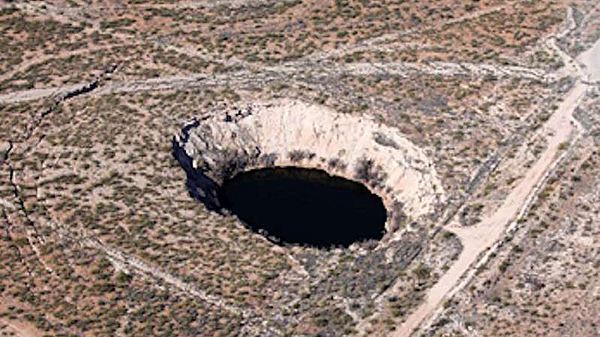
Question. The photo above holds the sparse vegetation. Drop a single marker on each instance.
(98, 233)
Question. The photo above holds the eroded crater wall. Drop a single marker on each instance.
(292, 133)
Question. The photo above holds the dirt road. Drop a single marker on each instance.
(591, 60)
(481, 240)
(484, 235)
(270, 73)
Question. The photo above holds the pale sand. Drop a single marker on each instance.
(282, 126)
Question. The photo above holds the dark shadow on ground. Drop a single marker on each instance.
(200, 186)
(289, 205)
(304, 206)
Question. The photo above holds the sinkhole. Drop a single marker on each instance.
(291, 205)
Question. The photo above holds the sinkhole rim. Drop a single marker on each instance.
(215, 146)
(371, 217)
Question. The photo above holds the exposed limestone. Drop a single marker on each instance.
(291, 133)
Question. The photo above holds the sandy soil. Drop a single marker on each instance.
(16, 328)
(476, 240)
(591, 59)
(291, 69)
(35, 94)
(482, 236)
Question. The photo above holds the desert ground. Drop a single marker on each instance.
(476, 122)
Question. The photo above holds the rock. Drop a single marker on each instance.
(292, 133)
(5, 148)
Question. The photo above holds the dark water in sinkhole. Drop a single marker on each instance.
(304, 206)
